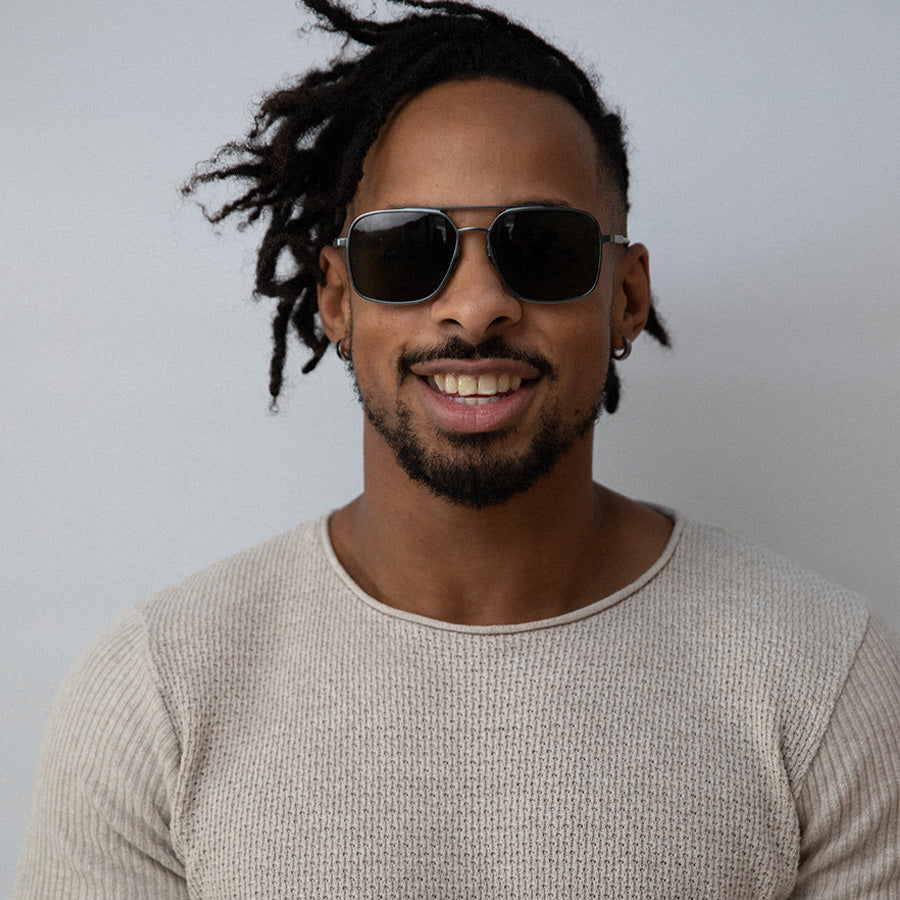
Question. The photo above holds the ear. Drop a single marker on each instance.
(631, 294)
(334, 294)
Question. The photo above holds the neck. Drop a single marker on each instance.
(556, 547)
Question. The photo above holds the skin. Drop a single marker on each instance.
(566, 542)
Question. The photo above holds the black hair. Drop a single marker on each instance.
(301, 161)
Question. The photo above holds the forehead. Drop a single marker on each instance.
(484, 142)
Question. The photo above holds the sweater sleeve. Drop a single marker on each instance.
(100, 821)
(849, 804)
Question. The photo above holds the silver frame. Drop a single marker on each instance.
(344, 242)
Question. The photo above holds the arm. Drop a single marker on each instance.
(849, 805)
(100, 821)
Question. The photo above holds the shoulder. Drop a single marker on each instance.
(215, 627)
(778, 639)
(725, 576)
(204, 610)
(180, 651)
(248, 593)
(262, 575)
(151, 690)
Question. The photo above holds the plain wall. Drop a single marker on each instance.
(137, 442)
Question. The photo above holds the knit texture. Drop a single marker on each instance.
(728, 726)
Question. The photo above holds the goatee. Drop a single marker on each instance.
(475, 472)
(478, 475)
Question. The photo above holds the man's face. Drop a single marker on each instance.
(477, 393)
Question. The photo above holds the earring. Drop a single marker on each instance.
(624, 353)
(341, 352)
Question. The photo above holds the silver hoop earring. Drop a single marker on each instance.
(624, 353)
(341, 352)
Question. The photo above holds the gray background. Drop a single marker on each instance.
(137, 443)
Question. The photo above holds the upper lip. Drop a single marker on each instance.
(475, 367)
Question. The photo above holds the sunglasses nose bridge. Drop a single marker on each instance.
(487, 234)
(466, 228)
(488, 248)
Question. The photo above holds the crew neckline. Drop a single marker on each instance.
(575, 615)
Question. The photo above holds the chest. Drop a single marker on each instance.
(487, 776)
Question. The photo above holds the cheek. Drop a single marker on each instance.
(586, 367)
(582, 342)
(591, 362)
(377, 343)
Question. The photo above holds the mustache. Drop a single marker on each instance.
(495, 347)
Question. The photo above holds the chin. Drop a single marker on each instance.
(475, 472)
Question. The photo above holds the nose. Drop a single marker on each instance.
(474, 299)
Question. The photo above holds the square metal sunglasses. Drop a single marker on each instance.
(543, 254)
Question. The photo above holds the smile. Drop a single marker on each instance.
(475, 390)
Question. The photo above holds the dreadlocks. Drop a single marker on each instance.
(302, 159)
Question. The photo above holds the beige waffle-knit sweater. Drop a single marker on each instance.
(728, 726)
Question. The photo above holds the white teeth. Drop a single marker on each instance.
(476, 389)
(487, 385)
(474, 401)
(466, 385)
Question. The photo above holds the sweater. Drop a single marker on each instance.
(726, 726)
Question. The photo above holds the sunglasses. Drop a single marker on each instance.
(543, 254)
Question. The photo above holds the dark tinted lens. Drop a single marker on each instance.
(547, 255)
(399, 255)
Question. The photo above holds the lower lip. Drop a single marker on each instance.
(452, 415)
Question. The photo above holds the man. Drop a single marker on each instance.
(486, 676)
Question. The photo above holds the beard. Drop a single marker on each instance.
(477, 475)
(474, 472)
